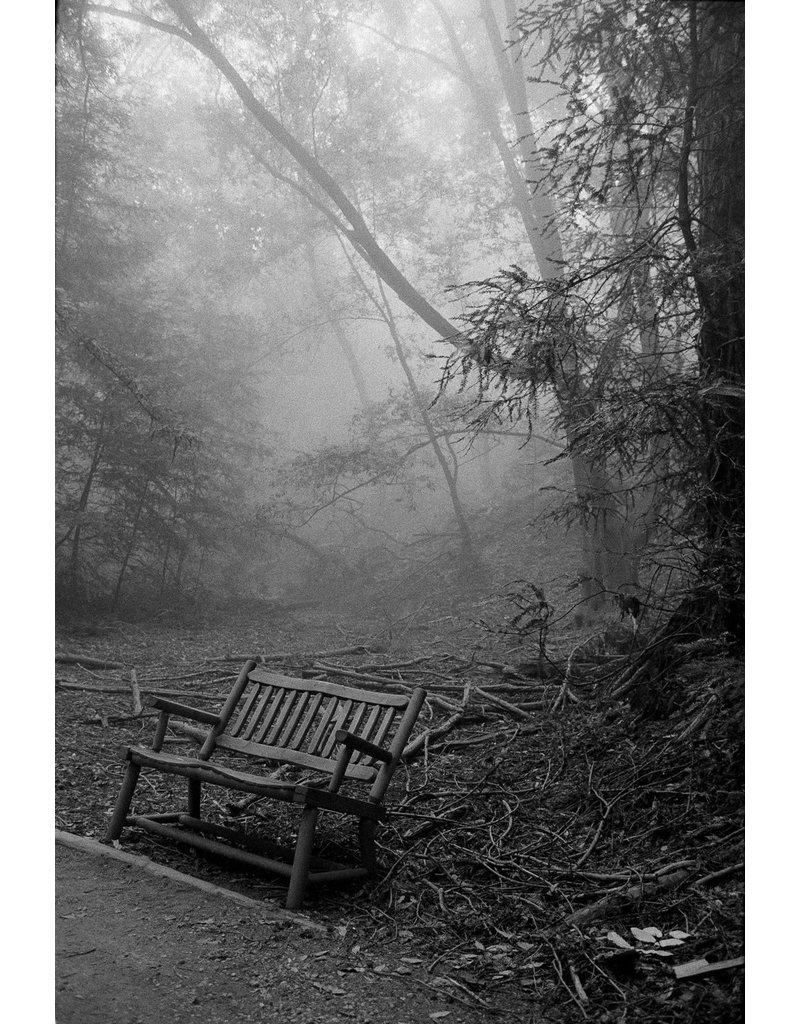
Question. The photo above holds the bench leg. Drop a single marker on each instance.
(366, 841)
(302, 858)
(193, 802)
(123, 803)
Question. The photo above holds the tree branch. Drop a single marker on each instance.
(142, 19)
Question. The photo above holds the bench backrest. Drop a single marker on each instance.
(294, 721)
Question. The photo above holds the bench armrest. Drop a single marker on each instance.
(195, 714)
(356, 743)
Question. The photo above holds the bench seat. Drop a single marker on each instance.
(345, 735)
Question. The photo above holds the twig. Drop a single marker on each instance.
(576, 981)
(717, 876)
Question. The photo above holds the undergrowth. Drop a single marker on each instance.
(517, 843)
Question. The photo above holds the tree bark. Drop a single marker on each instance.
(718, 47)
(605, 543)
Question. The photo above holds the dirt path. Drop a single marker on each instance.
(135, 949)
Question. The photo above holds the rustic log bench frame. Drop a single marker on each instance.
(279, 716)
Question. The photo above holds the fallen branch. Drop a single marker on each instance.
(68, 684)
(717, 876)
(423, 740)
(322, 666)
(698, 720)
(136, 696)
(697, 968)
(86, 661)
(294, 655)
(447, 818)
(506, 705)
(615, 901)
(106, 720)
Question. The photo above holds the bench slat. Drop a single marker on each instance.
(276, 703)
(339, 723)
(288, 698)
(383, 729)
(365, 732)
(291, 725)
(305, 726)
(249, 702)
(389, 700)
(358, 714)
(330, 707)
(298, 757)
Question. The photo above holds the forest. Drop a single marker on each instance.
(401, 342)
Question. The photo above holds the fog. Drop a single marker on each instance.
(360, 301)
(235, 422)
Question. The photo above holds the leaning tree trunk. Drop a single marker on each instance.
(607, 545)
(383, 306)
(471, 557)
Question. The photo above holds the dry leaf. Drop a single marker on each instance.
(643, 935)
(328, 988)
(618, 940)
(670, 942)
(680, 935)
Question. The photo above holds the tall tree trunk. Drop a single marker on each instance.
(605, 543)
(717, 41)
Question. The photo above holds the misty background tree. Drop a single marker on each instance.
(259, 216)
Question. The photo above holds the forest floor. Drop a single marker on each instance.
(134, 949)
(552, 858)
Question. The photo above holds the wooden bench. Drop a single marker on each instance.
(341, 733)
